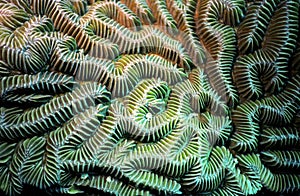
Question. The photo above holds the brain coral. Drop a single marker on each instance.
(149, 97)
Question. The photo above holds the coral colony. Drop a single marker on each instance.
(149, 97)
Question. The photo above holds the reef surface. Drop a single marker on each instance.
(149, 97)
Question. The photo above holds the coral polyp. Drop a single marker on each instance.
(149, 97)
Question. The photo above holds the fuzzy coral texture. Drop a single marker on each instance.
(149, 97)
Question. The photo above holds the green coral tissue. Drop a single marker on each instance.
(150, 97)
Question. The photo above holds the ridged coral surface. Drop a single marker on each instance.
(149, 97)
